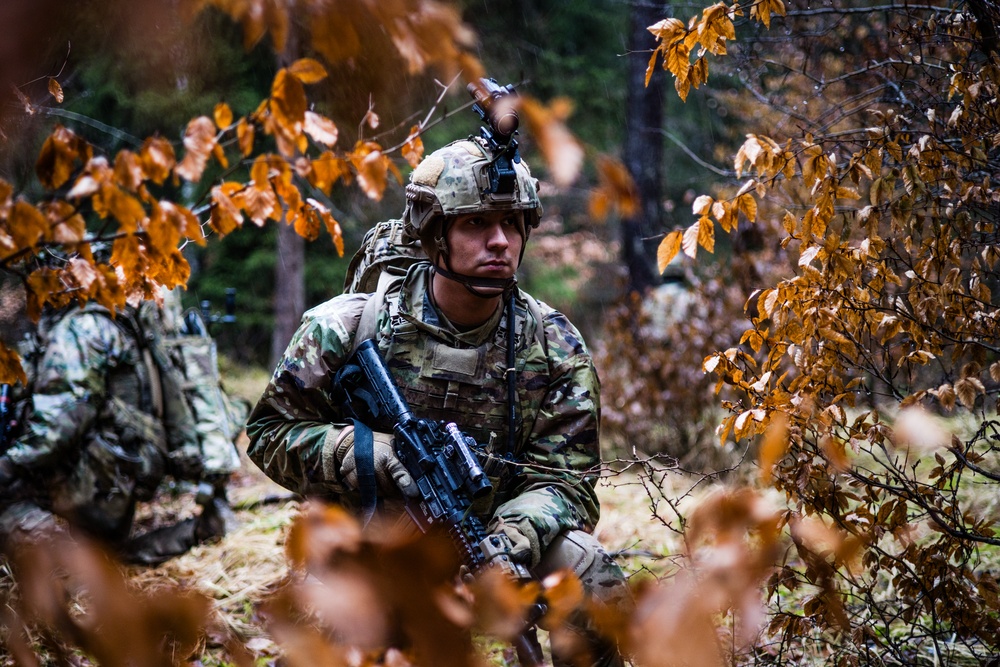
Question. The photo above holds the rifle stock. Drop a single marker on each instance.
(445, 470)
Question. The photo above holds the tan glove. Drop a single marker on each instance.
(523, 550)
(391, 475)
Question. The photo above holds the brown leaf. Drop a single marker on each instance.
(56, 90)
(128, 171)
(561, 150)
(245, 135)
(501, 603)
(334, 34)
(307, 70)
(124, 207)
(199, 141)
(668, 249)
(43, 286)
(225, 216)
(321, 129)
(158, 159)
(306, 224)
(426, 33)
(968, 389)
(617, 185)
(774, 445)
(68, 226)
(332, 226)
(27, 225)
(319, 533)
(11, 370)
(84, 274)
(59, 155)
(371, 166)
(223, 115)
(288, 109)
(413, 149)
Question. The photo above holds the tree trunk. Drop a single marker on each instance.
(643, 147)
(289, 288)
(290, 261)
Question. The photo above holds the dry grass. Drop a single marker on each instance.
(240, 571)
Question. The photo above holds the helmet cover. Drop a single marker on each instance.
(454, 180)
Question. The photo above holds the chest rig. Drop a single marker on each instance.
(493, 390)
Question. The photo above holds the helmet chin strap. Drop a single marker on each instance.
(472, 284)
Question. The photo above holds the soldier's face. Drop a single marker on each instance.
(485, 245)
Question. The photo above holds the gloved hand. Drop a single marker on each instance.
(522, 549)
(390, 473)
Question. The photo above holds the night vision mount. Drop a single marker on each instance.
(495, 106)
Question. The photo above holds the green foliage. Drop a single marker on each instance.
(569, 49)
(246, 261)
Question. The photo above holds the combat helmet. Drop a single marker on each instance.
(462, 178)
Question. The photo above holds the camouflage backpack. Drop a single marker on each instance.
(379, 265)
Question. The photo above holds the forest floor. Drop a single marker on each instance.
(245, 567)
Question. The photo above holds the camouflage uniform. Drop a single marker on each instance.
(544, 488)
(106, 422)
(547, 490)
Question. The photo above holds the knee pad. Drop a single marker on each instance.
(583, 554)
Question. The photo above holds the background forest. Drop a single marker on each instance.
(775, 223)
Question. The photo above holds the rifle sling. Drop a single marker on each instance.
(364, 459)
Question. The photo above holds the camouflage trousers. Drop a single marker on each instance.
(604, 583)
(25, 522)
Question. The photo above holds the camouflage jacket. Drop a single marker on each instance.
(102, 425)
(446, 374)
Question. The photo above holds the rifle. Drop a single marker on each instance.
(445, 470)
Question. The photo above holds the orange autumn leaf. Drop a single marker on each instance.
(11, 370)
(288, 109)
(320, 128)
(128, 170)
(225, 216)
(261, 204)
(332, 226)
(26, 225)
(371, 166)
(59, 155)
(326, 170)
(124, 207)
(561, 150)
(307, 70)
(199, 141)
(68, 226)
(126, 254)
(307, 225)
(413, 149)
(616, 186)
(245, 136)
(668, 249)
(84, 275)
(223, 115)
(44, 286)
(158, 159)
(56, 91)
